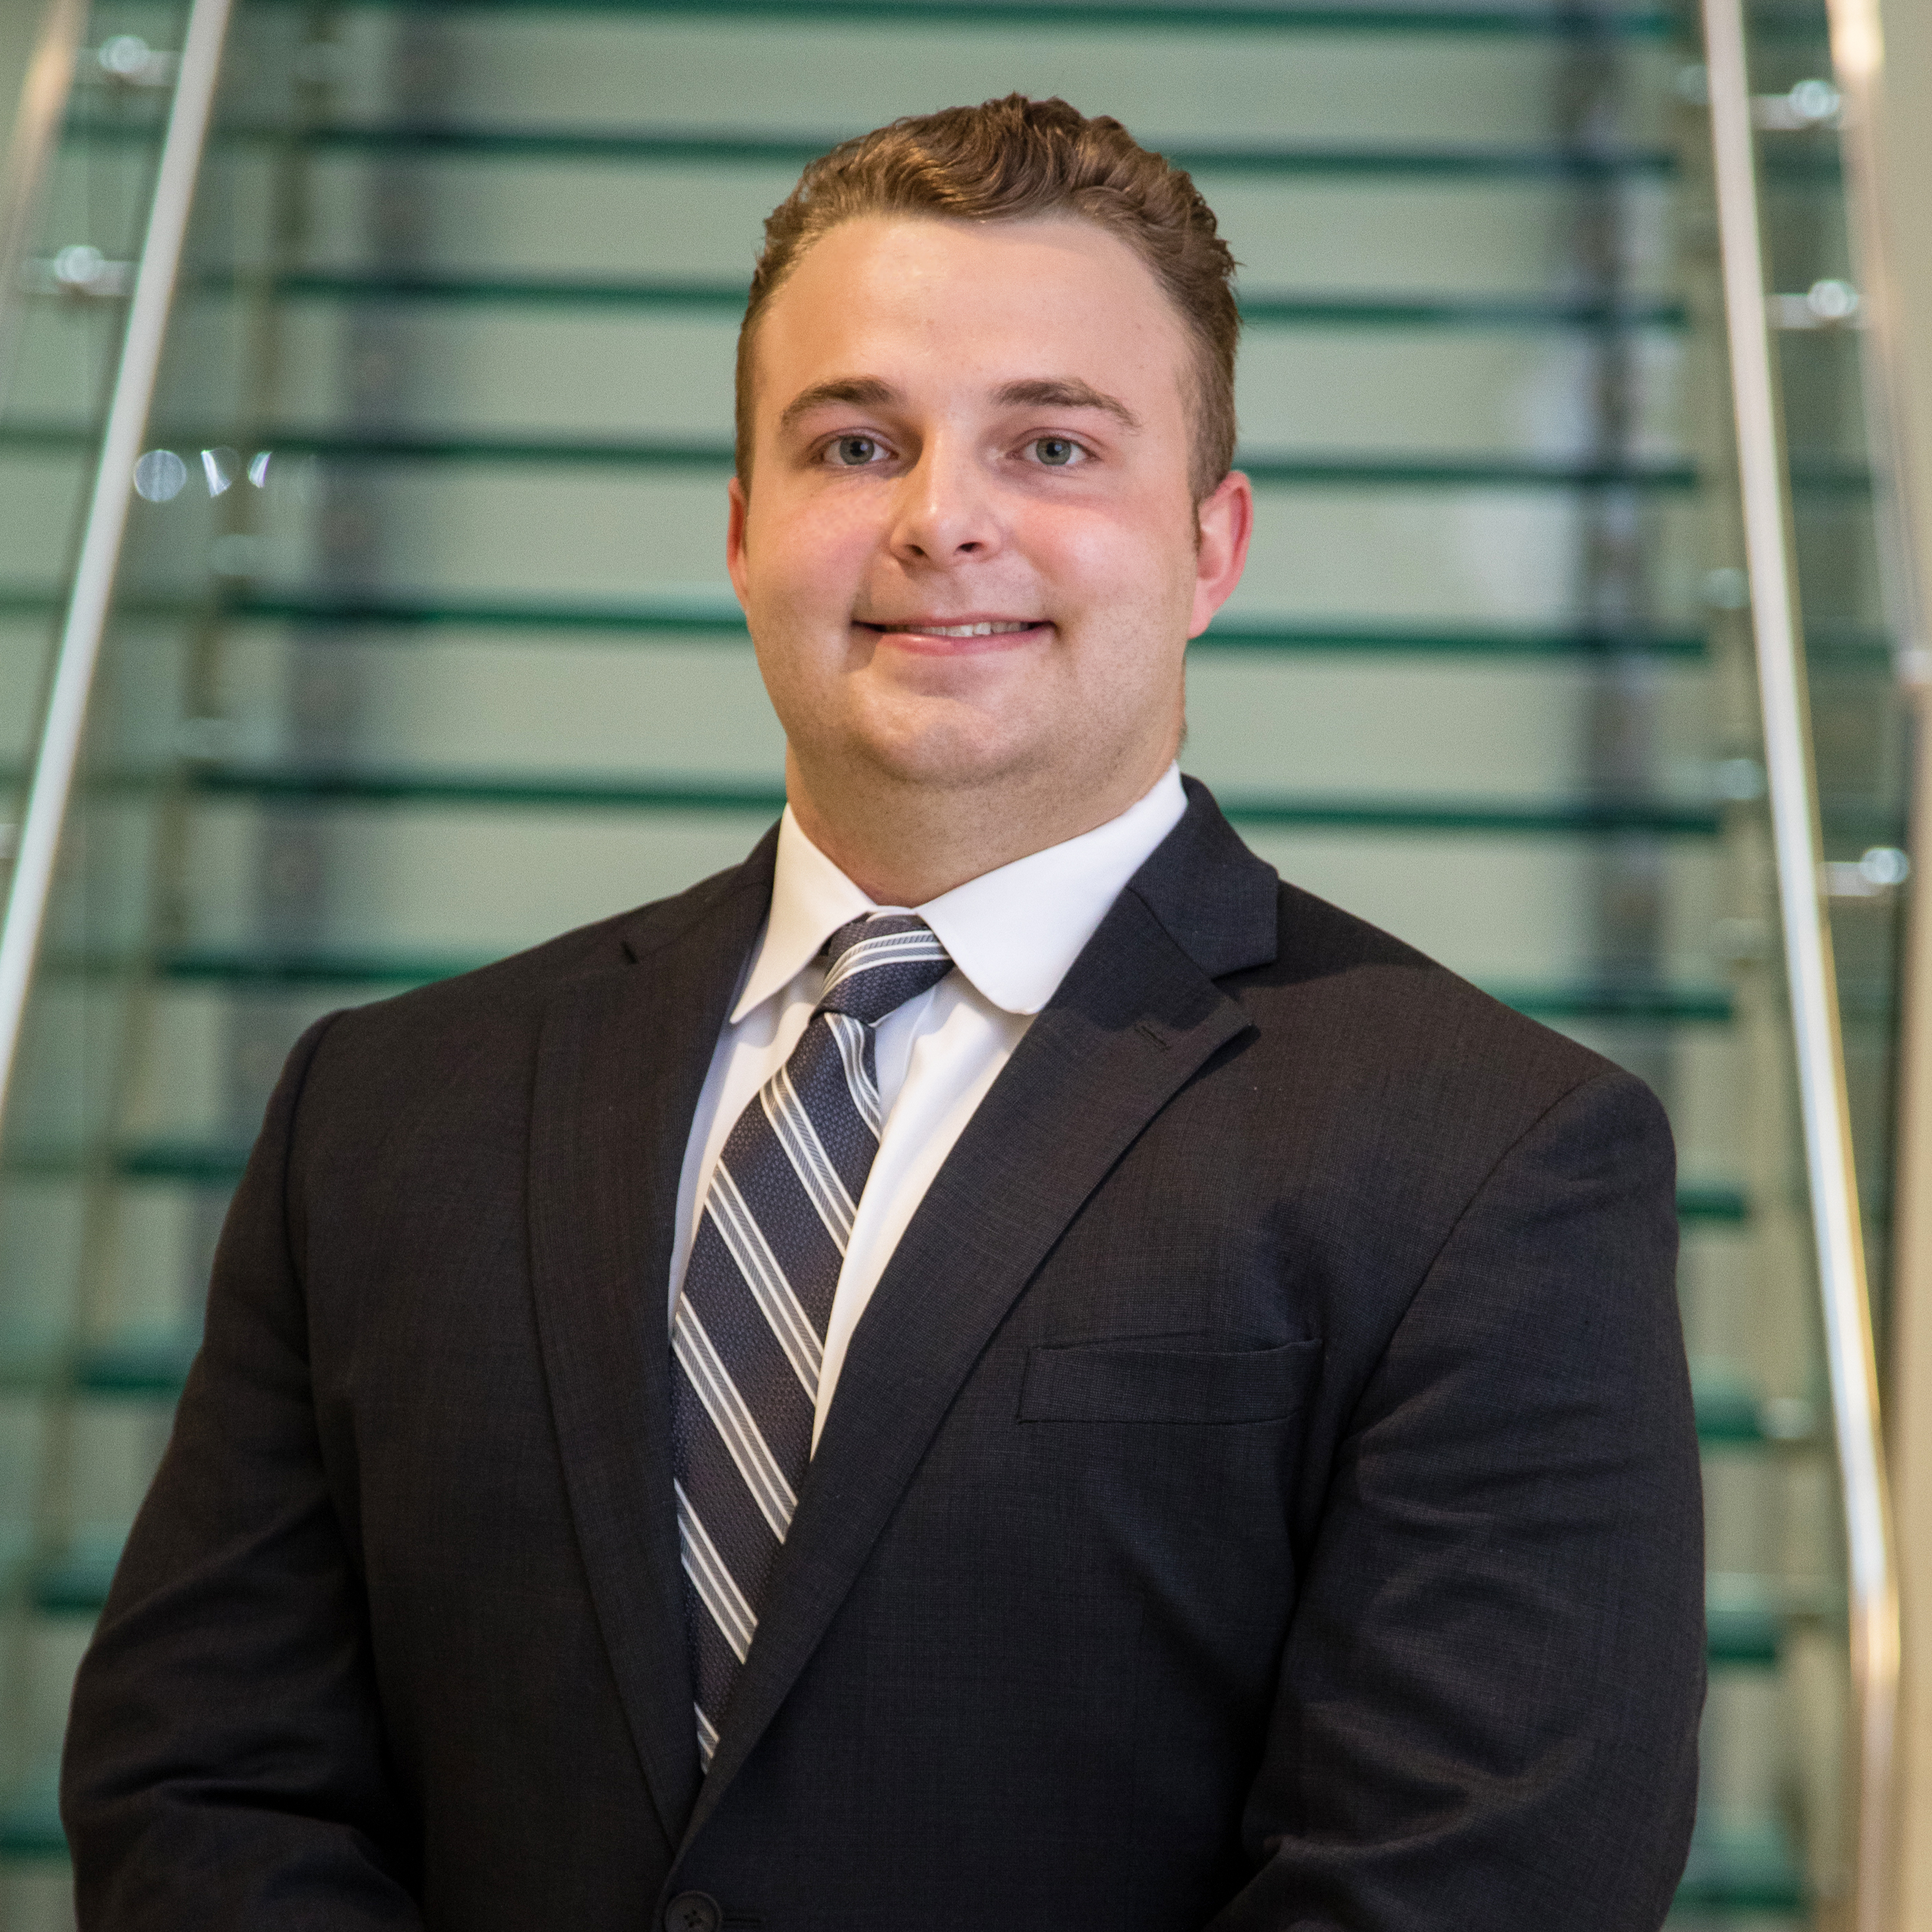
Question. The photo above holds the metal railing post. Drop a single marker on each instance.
(1868, 90)
(65, 719)
(1850, 1357)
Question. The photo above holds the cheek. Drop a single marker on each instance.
(1141, 547)
(799, 557)
(799, 690)
(805, 649)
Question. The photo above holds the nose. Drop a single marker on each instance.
(946, 512)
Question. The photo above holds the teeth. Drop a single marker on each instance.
(970, 630)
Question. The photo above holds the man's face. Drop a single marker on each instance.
(969, 555)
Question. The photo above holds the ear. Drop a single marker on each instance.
(734, 535)
(1226, 521)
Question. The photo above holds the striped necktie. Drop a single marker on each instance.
(748, 1335)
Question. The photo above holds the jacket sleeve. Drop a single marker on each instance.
(225, 1765)
(1487, 1707)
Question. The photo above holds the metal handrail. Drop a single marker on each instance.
(43, 98)
(65, 716)
(1857, 62)
(1858, 59)
(1847, 1307)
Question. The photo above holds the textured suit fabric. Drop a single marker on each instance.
(1261, 1493)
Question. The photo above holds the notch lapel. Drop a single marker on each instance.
(1135, 1018)
(621, 1063)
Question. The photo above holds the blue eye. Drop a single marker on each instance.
(855, 451)
(1056, 451)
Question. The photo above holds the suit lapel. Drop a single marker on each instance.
(621, 1063)
(1136, 1018)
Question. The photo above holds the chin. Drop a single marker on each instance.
(945, 759)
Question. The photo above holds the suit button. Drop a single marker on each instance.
(693, 1911)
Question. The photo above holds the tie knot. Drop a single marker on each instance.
(879, 962)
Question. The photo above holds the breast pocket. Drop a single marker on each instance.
(1172, 1380)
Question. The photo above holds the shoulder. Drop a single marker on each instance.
(1350, 1012)
(497, 1011)
(1352, 1022)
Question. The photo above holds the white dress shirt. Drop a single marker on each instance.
(1012, 934)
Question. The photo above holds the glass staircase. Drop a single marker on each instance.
(421, 648)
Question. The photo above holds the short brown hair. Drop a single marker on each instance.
(1014, 159)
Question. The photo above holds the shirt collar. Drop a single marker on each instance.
(1013, 932)
(812, 898)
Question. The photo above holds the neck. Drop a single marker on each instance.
(903, 843)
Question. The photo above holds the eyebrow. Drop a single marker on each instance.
(1048, 392)
(868, 391)
(1065, 393)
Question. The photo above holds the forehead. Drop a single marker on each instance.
(972, 300)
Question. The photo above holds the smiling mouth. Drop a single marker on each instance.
(998, 627)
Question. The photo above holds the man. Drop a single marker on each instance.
(1173, 1413)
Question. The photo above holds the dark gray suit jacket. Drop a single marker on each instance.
(1262, 1492)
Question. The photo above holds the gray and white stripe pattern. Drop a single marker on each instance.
(747, 1339)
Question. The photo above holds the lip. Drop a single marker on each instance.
(916, 633)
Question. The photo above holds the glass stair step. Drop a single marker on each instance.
(723, 618)
(1567, 818)
(30, 1825)
(1473, 312)
(1258, 309)
(272, 971)
(141, 1364)
(1811, 475)
(593, 791)
(1684, 1005)
(1721, 1201)
(1783, 25)
(76, 1584)
(219, 1164)
(720, 616)
(146, 1362)
(1770, 23)
(1669, 1005)
(1731, 1413)
(1373, 17)
(1741, 1639)
(586, 791)
(1578, 816)
(733, 147)
(1741, 1867)
(1808, 167)
(1313, 469)
(1747, 1869)
(180, 1163)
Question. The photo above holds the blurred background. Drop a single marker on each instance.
(421, 647)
